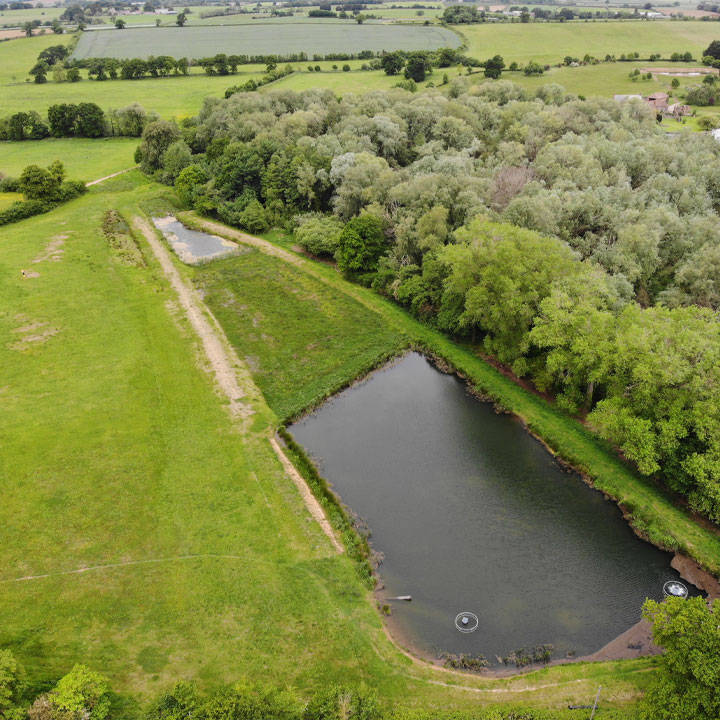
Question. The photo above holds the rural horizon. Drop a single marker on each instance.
(361, 360)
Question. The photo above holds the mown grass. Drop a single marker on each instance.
(117, 449)
(301, 340)
(83, 159)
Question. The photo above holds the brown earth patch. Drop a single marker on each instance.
(30, 274)
(29, 334)
(53, 250)
(11, 34)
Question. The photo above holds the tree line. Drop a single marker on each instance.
(54, 60)
(572, 239)
(86, 120)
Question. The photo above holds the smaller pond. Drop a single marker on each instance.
(191, 246)
(498, 545)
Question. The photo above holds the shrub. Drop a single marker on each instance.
(318, 234)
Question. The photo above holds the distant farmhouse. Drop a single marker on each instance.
(659, 102)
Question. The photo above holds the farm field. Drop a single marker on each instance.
(263, 39)
(123, 455)
(84, 159)
(552, 41)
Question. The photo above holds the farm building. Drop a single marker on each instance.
(658, 100)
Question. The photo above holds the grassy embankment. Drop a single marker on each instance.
(653, 513)
(119, 453)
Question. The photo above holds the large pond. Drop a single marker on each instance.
(473, 514)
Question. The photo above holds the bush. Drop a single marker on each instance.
(254, 218)
(318, 234)
(346, 68)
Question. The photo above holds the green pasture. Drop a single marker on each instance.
(84, 159)
(16, 18)
(169, 97)
(341, 83)
(550, 42)
(18, 56)
(262, 39)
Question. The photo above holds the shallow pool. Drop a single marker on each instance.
(192, 246)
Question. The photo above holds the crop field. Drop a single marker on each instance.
(550, 42)
(264, 39)
(83, 159)
(248, 295)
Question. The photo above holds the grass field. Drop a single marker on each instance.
(120, 453)
(263, 39)
(299, 351)
(550, 42)
(8, 198)
(83, 159)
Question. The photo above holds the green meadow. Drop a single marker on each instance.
(84, 159)
(550, 42)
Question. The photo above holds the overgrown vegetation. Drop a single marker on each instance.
(302, 341)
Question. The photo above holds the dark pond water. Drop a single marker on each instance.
(192, 246)
(473, 514)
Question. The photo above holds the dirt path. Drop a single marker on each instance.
(310, 501)
(107, 177)
(223, 360)
(226, 367)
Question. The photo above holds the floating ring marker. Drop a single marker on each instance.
(674, 588)
(467, 622)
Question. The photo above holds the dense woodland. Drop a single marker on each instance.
(574, 239)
